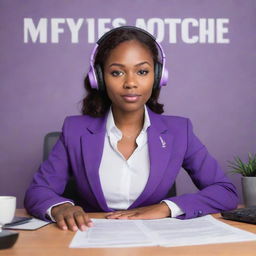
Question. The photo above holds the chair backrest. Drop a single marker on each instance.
(50, 140)
(70, 190)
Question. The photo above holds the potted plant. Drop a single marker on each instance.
(248, 172)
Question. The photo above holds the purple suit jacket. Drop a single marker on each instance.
(172, 145)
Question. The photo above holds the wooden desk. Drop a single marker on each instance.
(52, 241)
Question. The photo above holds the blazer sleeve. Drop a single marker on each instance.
(216, 193)
(50, 180)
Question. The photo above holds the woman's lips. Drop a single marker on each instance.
(131, 97)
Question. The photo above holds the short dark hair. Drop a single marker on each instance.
(96, 103)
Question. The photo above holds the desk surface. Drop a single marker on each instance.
(50, 240)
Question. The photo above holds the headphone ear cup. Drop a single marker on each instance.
(158, 72)
(100, 78)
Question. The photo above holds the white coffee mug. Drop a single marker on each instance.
(7, 209)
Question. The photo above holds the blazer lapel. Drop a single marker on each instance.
(160, 143)
(92, 143)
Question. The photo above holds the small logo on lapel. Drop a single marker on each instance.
(162, 142)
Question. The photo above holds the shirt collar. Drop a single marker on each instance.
(111, 126)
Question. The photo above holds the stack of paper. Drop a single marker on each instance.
(163, 232)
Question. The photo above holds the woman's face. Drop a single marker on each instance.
(129, 76)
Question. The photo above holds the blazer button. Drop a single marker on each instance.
(200, 213)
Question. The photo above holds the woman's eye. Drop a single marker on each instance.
(143, 72)
(116, 73)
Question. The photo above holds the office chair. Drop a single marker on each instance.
(50, 140)
(70, 191)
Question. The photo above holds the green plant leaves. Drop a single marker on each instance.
(245, 169)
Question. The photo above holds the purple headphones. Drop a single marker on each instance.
(95, 73)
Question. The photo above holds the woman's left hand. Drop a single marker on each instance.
(155, 211)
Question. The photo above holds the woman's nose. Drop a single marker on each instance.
(130, 81)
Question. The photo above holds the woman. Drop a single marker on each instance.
(123, 153)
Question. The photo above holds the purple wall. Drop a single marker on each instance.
(211, 83)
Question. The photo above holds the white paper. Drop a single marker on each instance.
(204, 230)
(112, 233)
(33, 224)
(168, 232)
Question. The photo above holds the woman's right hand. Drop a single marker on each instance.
(72, 217)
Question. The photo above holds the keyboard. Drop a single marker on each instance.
(247, 214)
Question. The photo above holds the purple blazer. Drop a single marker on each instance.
(172, 145)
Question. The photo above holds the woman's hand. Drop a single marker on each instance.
(68, 216)
(155, 211)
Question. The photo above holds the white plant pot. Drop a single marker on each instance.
(249, 190)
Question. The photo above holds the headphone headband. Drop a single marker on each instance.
(101, 39)
(95, 74)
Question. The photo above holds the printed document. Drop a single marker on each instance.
(168, 232)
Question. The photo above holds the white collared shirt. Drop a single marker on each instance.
(122, 180)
